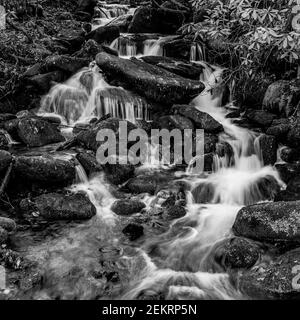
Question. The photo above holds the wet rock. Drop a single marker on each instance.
(104, 34)
(268, 145)
(178, 48)
(150, 20)
(5, 159)
(224, 149)
(133, 231)
(285, 195)
(203, 193)
(89, 162)
(202, 120)
(149, 81)
(11, 126)
(42, 83)
(11, 259)
(122, 22)
(210, 142)
(183, 69)
(233, 114)
(277, 280)
(287, 170)
(174, 212)
(36, 132)
(67, 64)
(142, 184)
(7, 224)
(260, 118)
(44, 168)
(289, 154)
(118, 173)
(294, 184)
(293, 138)
(279, 131)
(55, 206)
(175, 122)
(240, 253)
(87, 6)
(282, 97)
(126, 207)
(277, 222)
(3, 235)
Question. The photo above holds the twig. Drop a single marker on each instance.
(6, 179)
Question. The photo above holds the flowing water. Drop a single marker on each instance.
(175, 260)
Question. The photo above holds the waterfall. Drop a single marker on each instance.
(86, 95)
(81, 176)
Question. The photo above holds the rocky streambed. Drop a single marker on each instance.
(72, 228)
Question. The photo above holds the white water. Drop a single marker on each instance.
(86, 95)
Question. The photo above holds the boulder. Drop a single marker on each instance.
(7, 224)
(55, 206)
(276, 280)
(67, 64)
(142, 184)
(179, 67)
(44, 168)
(127, 207)
(133, 231)
(287, 170)
(86, 6)
(277, 222)
(89, 162)
(279, 131)
(293, 138)
(289, 154)
(122, 22)
(294, 184)
(118, 173)
(5, 160)
(268, 146)
(174, 212)
(210, 142)
(282, 97)
(35, 132)
(178, 48)
(149, 81)
(42, 83)
(260, 118)
(201, 119)
(104, 34)
(150, 20)
(175, 122)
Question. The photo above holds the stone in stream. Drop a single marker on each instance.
(287, 170)
(293, 138)
(276, 280)
(118, 173)
(202, 120)
(5, 160)
(151, 20)
(36, 132)
(175, 122)
(179, 67)
(86, 6)
(174, 212)
(178, 48)
(149, 81)
(56, 206)
(126, 207)
(210, 142)
(282, 97)
(289, 154)
(7, 224)
(133, 231)
(89, 162)
(45, 169)
(104, 34)
(274, 222)
(260, 118)
(142, 184)
(268, 146)
(279, 131)
(3, 235)
(122, 22)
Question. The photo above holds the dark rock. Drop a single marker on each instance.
(150, 20)
(277, 222)
(289, 154)
(239, 253)
(287, 171)
(279, 131)
(6, 116)
(201, 119)
(89, 162)
(87, 6)
(44, 168)
(55, 206)
(175, 122)
(294, 184)
(293, 138)
(178, 48)
(142, 184)
(179, 67)
(36, 132)
(3, 235)
(148, 80)
(268, 146)
(127, 207)
(203, 193)
(11, 126)
(7, 224)
(277, 280)
(285, 195)
(133, 231)
(260, 117)
(210, 142)
(5, 160)
(233, 114)
(122, 22)
(104, 34)
(42, 83)
(67, 64)
(118, 173)
(282, 97)
(174, 212)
